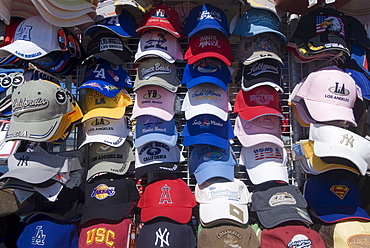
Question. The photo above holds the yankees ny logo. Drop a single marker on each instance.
(347, 140)
(23, 161)
(162, 237)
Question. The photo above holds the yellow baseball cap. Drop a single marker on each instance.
(95, 104)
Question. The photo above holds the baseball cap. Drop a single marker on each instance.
(150, 128)
(316, 31)
(315, 165)
(260, 101)
(206, 98)
(256, 21)
(110, 47)
(96, 104)
(209, 43)
(166, 233)
(45, 231)
(73, 5)
(142, 5)
(115, 233)
(161, 17)
(361, 80)
(33, 38)
(345, 233)
(109, 198)
(159, 43)
(264, 4)
(208, 130)
(266, 128)
(8, 36)
(170, 198)
(105, 77)
(261, 72)
(259, 47)
(337, 145)
(334, 196)
(291, 236)
(329, 94)
(230, 235)
(265, 162)
(123, 25)
(207, 70)
(280, 204)
(207, 161)
(157, 71)
(108, 159)
(112, 132)
(157, 156)
(40, 120)
(43, 6)
(206, 16)
(154, 100)
(222, 202)
(9, 203)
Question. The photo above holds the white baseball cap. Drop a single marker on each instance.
(206, 98)
(111, 132)
(265, 162)
(333, 144)
(222, 201)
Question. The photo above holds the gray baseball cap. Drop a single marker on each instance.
(37, 110)
(157, 71)
(34, 167)
(108, 159)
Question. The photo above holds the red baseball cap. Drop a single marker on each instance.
(162, 17)
(171, 198)
(209, 43)
(260, 101)
(98, 233)
(291, 236)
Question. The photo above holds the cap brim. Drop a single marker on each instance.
(167, 167)
(36, 177)
(111, 92)
(346, 213)
(205, 109)
(323, 112)
(216, 170)
(24, 50)
(253, 113)
(33, 131)
(206, 139)
(108, 167)
(99, 28)
(199, 56)
(270, 219)
(200, 27)
(159, 137)
(178, 214)
(206, 79)
(112, 113)
(154, 53)
(212, 212)
(248, 140)
(110, 140)
(113, 212)
(160, 113)
(168, 86)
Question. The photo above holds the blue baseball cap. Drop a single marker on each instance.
(335, 196)
(151, 128)
(206, 16)
(105, 77)
(361, 80)
(209, 130)
(207, 70)
(43, 231)
(255, 21)
(207, 161)
(124, 25)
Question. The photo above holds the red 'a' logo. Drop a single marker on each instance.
(165, 196)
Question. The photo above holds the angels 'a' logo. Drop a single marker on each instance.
(165, 196)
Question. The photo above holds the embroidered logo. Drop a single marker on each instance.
(22, 105)
(160, 13)
(265, 122)
(152, 94)
(347, 141)
(208, 41)
(155, 69)
(282, 198)
(110, 44)
(23, 160)
(331, 24)
(205, 14)
(212, 156)
(339, 90)
(359, 241)
(153, 126)
(39, 237)
(299, 241)
(262, 97)
(24, 32)
(339, 190)
(267, 153)
(207, 65)
(156, 41)
(259, 68)
(100, 122)
(230, 238)
(102, 191)
(154, 150)
(209, 94)
(162, 237)
(165, 196)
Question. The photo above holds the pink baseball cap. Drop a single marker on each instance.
(330, 95)
(154, 100)
(209, 43)
(262, 100)
(266, 128)
(162, 17)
